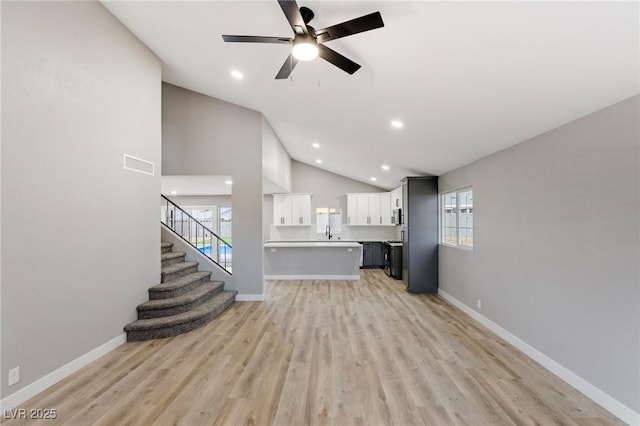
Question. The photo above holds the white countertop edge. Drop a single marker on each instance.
(335, 240)
(313, 277)
(332, 244)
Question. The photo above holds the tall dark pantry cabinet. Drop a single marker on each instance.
(420, 234)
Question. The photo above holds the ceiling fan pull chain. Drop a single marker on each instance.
(318, 69)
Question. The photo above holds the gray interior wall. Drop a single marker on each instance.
(556, 250)
(206, 136)
(276, 163)
(78, 91)
(267, 216)
(325, 187)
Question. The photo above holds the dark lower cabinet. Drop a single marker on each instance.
(372, 256)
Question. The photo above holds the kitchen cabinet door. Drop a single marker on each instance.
(367, 255)
(396, 198)
(377, 255)
(374, 210)
(363, 210)
(385, 209)
(281, 209)
(300, 209)
(372, 254)
(352, 209)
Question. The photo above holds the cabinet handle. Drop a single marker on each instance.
(348, 220)
(380, 220)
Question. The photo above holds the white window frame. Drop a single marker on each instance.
(443, 223)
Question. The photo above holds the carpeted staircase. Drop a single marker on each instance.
(184, 300)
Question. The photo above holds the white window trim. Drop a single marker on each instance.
(441, 217)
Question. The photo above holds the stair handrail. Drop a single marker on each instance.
(204, 228)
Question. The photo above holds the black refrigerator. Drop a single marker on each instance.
(419, 234)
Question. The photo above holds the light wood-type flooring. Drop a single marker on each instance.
(318, 353)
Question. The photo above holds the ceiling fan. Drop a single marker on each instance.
(308, 43)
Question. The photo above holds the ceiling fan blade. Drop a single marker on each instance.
(354, 26)
(340, 61)
(292, 12)
(255, 39)
(286, 68)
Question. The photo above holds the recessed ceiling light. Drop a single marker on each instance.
(373, 179)
(237, 74)
(397, 124)
(319, 161)
(315, 145)
(174, 192)
(228, 182)
(385, 167)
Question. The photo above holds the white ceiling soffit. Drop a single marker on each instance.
(466, 78)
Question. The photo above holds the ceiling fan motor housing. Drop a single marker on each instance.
(307, 14)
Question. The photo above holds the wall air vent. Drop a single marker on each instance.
(138, 165)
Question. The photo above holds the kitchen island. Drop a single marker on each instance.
(312, 260)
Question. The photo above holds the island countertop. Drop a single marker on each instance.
(335, 243)
(312, 260)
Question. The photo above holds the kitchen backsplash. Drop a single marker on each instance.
(288, 233)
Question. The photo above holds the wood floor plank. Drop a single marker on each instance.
(319, 352)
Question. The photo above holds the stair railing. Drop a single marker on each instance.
(196, 234)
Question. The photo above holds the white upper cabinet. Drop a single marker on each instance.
(281, 209)
(363, 210)
(374, 209)
(301, 209)
(385, 209)
(368, 209)
(396, 198)
(292, 209)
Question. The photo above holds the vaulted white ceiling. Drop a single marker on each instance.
(466, 78)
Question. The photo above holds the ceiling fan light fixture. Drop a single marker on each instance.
(305, 47)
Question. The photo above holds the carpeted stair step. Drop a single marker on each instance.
(183, 303)
(179, 286)
(172, 257)
(156, 328)
(165, 247)
(177, 270)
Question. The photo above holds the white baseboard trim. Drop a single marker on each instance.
(55, 376)
(607, 402)
(312, 277)
(249, 297)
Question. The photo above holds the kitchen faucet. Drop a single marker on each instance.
(327, 231)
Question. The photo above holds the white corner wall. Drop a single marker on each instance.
(557, 243)
(80, 233)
